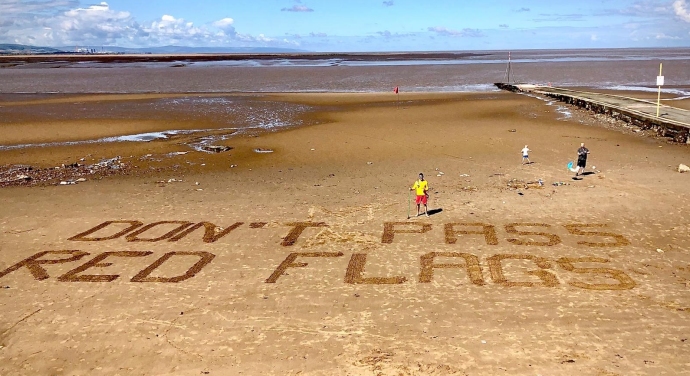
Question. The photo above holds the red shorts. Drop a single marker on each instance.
(422, 199)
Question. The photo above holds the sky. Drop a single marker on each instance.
(349, 25)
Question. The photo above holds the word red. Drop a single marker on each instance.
(34, 265)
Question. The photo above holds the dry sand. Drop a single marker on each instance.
(590, 277)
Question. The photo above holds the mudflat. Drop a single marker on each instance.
(292, 252)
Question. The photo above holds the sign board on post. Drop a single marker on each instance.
(659, 83)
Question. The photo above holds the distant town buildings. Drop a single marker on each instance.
(21, 49)
(90, 51)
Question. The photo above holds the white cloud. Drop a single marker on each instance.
(556, 17)
(14, 8)
(388, 35)
(226, 26)
(64, 23)
(224, 23)
(91, 25)
(297, 8)
(664, 36)
(263, 38)
(53, 23)
(644, 9)
(171, 30)
(680, 7)
(442, 31)
(594, 38)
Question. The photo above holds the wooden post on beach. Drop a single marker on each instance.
(507, 75)
(659, 82)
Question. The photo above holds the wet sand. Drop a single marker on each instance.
(314, 267)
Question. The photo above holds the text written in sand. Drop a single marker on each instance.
(175, 267)
(518, 233)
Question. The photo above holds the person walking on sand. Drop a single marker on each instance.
(581, 159)
(525, 155)
(421, 187)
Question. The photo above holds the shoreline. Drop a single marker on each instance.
(157, 149)
(203, 57)
(320, 103)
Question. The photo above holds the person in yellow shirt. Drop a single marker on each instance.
(421, 187)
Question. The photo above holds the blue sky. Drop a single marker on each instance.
(352, 25)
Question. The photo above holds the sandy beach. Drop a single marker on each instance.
(301, 258)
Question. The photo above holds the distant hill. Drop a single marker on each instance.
(187, 50)
(6, 49)
(13, 49)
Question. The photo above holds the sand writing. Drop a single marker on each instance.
(354, 274)
(34, 265)
(544, 276)
(471, 265)
(355, 271)
(290, 263)
(518, 234)
(541, 274)
(626, 282)
(547, 278)
(488, 231)
(180, 230)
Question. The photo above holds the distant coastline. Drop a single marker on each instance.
(205, 57)
(171, 54)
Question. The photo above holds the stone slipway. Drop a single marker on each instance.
(672, 121)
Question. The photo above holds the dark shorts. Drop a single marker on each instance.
(582, 162)
(421, 199)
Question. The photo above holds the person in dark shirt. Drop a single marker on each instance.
(581, 159)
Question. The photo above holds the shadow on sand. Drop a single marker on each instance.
(434, 211)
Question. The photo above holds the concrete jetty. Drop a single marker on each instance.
(672, 121)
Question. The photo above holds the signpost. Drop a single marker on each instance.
(659, 83)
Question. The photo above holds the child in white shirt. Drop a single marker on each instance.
(525, 155)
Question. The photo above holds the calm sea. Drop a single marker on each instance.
(617, 69)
